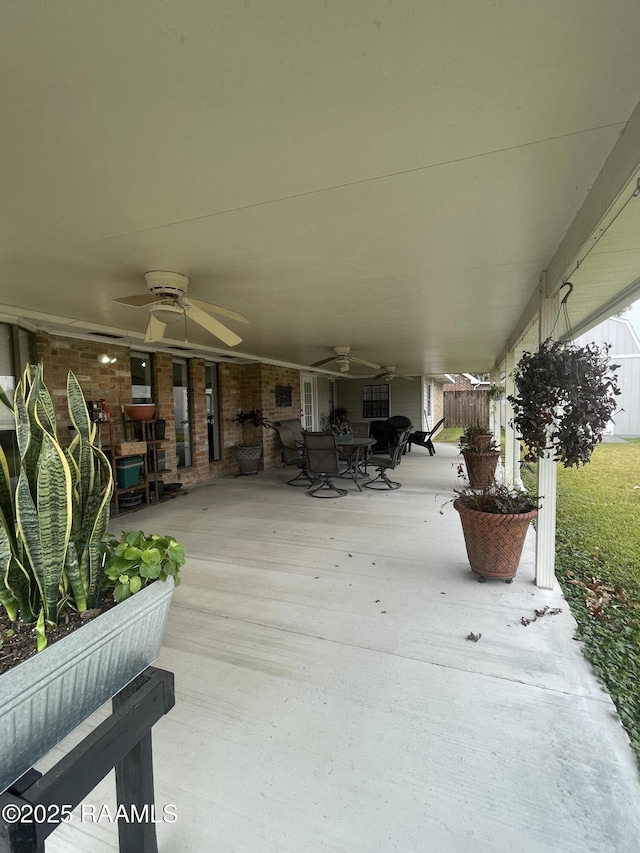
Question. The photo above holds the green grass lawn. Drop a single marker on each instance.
(598, 567)
(449, 435)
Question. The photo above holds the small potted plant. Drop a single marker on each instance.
(53, 549)
(340, 426)
(480, 456)
(495, 521)
(565, 397)
(249, 450)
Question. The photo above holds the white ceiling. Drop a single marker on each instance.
(391, 176)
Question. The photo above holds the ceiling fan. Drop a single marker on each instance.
(343, 359)
(389, 373)
(168, 303)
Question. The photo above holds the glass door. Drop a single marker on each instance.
(309, 397)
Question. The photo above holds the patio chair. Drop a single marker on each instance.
(424, 439)
(401, 422)
(322, 463)
(360, 429)
(290, 433)
(382, 464)
(385, 434)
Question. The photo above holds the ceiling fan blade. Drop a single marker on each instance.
(366, 363)
(212, 325)
(218, 309)
(323, 361)
(139, 299)
(155, 330)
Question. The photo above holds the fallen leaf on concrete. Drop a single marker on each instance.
(474, 637)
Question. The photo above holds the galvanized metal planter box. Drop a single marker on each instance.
(46, 697)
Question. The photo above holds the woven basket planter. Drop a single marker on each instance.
(481, 467)
(494, 541)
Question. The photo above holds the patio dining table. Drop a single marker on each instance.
(351, 452)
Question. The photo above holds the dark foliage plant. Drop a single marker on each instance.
(250, 421)
(497, 499)
(565, 397)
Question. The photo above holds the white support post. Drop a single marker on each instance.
(547, 474)
(511, 443)
(494, 425)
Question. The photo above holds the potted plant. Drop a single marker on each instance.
(495, 521)
(53, 523)
(249, 450)
(340, 426)
(480, 456)
(565, 397)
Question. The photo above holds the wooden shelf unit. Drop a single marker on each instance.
(143, 483)
(146, 431)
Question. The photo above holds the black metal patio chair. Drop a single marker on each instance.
(322, 463)
(425, 439)
(290, 433)
(382, 464)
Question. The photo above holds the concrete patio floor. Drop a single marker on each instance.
(328, 698)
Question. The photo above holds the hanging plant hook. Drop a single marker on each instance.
(568, 293)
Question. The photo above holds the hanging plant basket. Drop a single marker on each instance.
(565, 397)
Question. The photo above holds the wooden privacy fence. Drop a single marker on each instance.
(463, 408)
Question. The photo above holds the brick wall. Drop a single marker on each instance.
(272, 375)
(437, 401)
(245, 386)
(111, 381)
(461, 384)
(162, 393)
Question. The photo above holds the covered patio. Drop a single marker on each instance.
(328, 697)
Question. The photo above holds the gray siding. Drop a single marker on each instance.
(625, 351)
(404, 398)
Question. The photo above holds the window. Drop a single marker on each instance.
(181, 410)
(213, 411)
(141, 377)
(428, 401)
(375, 401)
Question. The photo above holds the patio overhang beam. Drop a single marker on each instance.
(618, 179)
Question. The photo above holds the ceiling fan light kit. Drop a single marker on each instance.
(389, 373)
(167, 312)
(343, 358)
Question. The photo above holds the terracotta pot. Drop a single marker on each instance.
(483, 441)
(494, 541)
(481, 467)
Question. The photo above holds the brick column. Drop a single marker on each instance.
(162, 392)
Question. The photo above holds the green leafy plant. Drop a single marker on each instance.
(477, 439)
(137, 560)
(54, 519)
(496, 392)
(498, 499)
(565, 399)
(250, 421)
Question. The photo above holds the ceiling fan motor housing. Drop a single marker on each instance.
(165, 282)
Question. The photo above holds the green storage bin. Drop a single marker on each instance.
(128, 471)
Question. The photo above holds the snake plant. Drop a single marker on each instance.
(53, 519)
